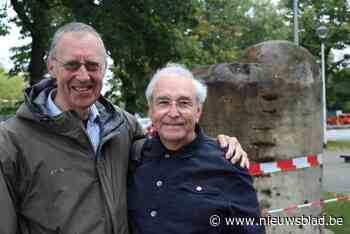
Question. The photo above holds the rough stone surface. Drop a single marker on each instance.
(271, 100)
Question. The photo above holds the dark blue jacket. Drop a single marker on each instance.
(174, 192)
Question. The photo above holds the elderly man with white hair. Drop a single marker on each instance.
(188, 183)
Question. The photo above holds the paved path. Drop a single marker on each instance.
(336, 173)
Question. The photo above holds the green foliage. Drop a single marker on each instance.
(210, 40)
(338, 145)
(335, 15)
(38, 20)
(226, 28)
(21, 58)
(142, 36)
(11, 92)
(338, 91)
(265, 22)
(4, 28)
(11, 88)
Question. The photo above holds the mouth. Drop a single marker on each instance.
(82, 89)
(174, 125)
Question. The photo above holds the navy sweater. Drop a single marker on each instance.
(181, 191)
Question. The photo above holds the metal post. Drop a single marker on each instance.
(296, 26)
(324, 103)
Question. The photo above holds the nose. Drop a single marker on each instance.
(82, 73)
(173, 111)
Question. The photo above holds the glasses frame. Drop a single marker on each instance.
(182, 105)
(69, 65)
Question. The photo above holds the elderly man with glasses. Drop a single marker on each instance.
(64, 156)
(189, 186)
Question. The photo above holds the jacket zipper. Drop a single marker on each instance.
(106, 184)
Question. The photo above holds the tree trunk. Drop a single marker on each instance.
(34, 17)
(37, 65)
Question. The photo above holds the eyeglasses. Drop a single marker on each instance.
(74, 65)
(165, 104)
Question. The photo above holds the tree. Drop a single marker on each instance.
(33, 18)
(338, 91)
(139, 35)
(264, 22)
(142, 36)
(227, 27)
(11, 92)
(335, 15)
(3, 18)
(37, 19)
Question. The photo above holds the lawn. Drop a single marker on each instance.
(338, 209)
(338, 145)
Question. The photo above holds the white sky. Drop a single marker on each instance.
(8, 41)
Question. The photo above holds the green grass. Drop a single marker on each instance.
(8, 111)
(338, 145)
(338, 209)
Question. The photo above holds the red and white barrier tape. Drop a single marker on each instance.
(309, 204)
(260, 169)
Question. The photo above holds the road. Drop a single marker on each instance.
(338, 134)
(335, 172)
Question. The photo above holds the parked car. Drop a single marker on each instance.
(339, 119)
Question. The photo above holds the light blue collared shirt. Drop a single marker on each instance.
(93, 128)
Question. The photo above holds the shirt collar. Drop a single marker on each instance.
(156, 147)
(51, 106)
(55, 111)
(94, 115)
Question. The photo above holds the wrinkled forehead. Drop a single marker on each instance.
(80, 42)
(174, 86)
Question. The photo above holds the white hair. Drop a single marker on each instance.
(181, 70)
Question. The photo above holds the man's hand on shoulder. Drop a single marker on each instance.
(234, 150)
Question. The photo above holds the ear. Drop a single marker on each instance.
(51, 67)
(199, 112)
(105, 66)
(150, 112)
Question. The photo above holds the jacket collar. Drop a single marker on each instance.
(35, 109)
(156, 148)
(54, 110)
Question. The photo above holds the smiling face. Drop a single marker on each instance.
(77, 87)
(174, 110)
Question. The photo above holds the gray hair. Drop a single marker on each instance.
(74, 27)
(181, 70)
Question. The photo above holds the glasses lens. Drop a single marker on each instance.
(92, 66)
(72, 65)
(75, 65)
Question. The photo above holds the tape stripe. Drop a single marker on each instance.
(310, 204)
(260, 169)
(301, 162)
